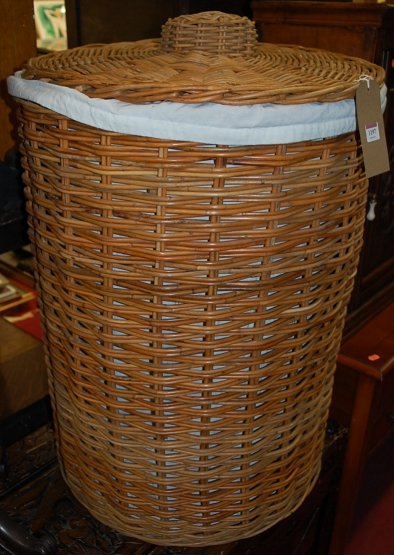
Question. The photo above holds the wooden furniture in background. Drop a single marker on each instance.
(17, 45)
(356, 29)
(23, 377)
(365, 31)
(364, 398)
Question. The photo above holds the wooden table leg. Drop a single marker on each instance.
(353, 463)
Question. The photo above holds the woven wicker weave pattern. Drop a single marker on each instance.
(210, 32)
(193, 298)
(205, 58)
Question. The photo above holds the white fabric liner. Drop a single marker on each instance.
(207, 122)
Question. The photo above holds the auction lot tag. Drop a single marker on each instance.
(371, 128)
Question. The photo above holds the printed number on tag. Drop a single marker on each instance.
(372, 132)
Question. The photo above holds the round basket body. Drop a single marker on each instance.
(193, 294)
(193, 298)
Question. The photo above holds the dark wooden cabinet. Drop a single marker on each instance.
(365, 31)
(17, 45)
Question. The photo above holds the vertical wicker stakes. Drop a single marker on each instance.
(193, 298)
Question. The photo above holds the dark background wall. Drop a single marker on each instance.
(103, 21)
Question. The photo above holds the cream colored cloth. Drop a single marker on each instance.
(207, 122)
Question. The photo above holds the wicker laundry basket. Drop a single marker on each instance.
(193, 293)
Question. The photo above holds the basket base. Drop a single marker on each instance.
(51, 508)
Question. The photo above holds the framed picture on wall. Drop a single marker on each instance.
(51, 27)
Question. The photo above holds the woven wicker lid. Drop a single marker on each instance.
(205, 57)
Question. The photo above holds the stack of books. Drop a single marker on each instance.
(11, 295)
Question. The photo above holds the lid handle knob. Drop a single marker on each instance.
(210, 32)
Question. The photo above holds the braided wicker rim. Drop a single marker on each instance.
(208, 57)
